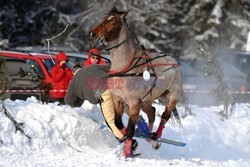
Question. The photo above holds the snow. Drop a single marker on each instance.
(65, 136)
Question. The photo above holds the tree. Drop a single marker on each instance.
(172, 26)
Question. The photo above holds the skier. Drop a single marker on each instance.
(85, 86)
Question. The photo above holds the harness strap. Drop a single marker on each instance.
(130, 74)
(127, 67)
(151, 89)
(161, 64)
(117, 45)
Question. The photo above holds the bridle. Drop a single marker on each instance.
(109, 34)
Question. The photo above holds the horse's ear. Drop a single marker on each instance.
(123, 16)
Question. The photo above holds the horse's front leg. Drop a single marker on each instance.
(134, 109)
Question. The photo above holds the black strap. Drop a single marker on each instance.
(151, 89)
(130, 75)
(116, 46)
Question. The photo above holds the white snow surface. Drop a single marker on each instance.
(65, 136)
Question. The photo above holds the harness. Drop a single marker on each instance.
(137, 58)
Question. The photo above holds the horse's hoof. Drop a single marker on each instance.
(156, 145)
(134, 144)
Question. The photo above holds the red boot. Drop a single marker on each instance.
(128, 149)
(160, 128)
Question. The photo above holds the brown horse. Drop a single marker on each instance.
(129, 58)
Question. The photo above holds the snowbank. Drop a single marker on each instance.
(62, 136)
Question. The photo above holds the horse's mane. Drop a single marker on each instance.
(114, 10)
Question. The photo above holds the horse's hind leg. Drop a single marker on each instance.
(170, 105)
(150, 111)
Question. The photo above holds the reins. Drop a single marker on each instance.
(145, 55)
(128, 68)
(147, 63)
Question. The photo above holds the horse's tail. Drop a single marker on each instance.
(175, 118)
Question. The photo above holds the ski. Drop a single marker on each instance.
(163, 140)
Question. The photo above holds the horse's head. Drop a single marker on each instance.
(110, 26)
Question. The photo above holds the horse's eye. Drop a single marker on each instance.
(110, 17)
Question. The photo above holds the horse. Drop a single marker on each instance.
(143, 76)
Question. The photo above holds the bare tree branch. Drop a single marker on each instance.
(18, 126)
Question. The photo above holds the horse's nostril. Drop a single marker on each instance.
(93, 34)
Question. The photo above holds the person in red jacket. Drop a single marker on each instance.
(61, 76)
(94, 57)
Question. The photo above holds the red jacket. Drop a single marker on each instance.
(95, 51)
(60, 77)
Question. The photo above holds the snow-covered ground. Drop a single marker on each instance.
(63, 136)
